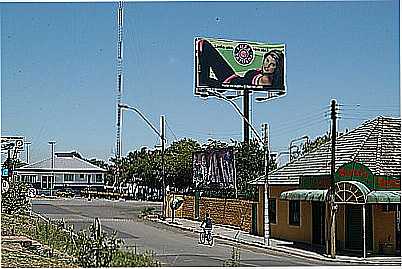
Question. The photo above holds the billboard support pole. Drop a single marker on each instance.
(246, 113)
(235, 175)
(163, 166)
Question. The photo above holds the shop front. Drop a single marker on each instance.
(367, 209)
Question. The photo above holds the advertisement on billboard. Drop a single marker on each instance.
(214, 168)
(238, 65)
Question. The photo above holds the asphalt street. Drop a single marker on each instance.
(172, 246)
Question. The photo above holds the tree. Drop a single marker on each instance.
(315, 144)
(249, 166)
(179, 163)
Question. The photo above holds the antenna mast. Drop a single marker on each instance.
(119, 78)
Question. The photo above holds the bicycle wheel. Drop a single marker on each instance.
(210, 240)
(202, 238)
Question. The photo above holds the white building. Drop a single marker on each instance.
(70, 170)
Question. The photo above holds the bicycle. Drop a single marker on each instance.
(206, 236)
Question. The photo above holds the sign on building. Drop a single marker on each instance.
(15, 143)
(214, 168)
(238, 65)
(354, 171)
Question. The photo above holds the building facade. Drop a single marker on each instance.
(366, 192)
(69, 170)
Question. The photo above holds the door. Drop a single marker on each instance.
(354, 227)
(318, 223)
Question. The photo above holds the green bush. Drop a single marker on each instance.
(15, 200)
(130, 259)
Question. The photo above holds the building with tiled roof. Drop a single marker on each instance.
(376, 144)
(366, 190)
(69, 170)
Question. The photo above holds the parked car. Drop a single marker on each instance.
(68, 193)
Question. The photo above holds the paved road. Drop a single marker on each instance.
(173, 247)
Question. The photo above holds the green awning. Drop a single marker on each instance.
(304, 195)
(384, 197)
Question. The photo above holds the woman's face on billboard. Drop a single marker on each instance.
(269, 65)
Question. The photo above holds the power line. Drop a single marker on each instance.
(171, 130)
(300, 125)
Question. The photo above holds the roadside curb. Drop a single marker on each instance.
(284, 249)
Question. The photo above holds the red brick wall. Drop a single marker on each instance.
(188, 207)
(234, 212)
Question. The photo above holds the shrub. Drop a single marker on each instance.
(15, 200)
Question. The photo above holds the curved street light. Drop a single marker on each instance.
(294, 146)
(161, 135)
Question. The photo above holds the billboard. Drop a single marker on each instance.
(214, 168)
(238, 65)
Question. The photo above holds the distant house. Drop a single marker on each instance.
(70, 170)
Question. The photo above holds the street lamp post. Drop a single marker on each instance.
(28, 144)
(51, 143)
(161, 135)
(292, 146)
(265, 143)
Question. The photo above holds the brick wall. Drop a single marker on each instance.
(233, 212)
(188, 209)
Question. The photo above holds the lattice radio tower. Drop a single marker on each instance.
(119, 114)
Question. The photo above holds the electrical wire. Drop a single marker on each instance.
(175, 137)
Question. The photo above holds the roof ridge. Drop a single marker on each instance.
(379, 142)
(353, 157)
(85, 161)
(35, 163)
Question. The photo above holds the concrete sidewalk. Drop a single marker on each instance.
(236, 235)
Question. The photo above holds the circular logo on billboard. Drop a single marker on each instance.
(243, 54)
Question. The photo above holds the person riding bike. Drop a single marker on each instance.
(207, 225)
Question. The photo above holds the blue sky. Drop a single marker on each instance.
(58, 70)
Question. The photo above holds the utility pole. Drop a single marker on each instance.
(162, 131)
(333, 206)
(267, 232)
(51, 143)
(246, 113)
(119, 78)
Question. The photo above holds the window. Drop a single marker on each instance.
(44, 182)
(68, 177)
(81, 176)
(272, 211)
(390, 207)
(294, 213)
(99, 178)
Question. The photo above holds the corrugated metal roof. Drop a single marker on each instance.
(376, 144)
(62, 163)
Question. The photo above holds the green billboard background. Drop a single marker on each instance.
(225, 48)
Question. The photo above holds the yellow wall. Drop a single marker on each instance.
(384, 229)
(282, 229)
(340, 226)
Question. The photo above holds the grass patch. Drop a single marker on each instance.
(90, 248)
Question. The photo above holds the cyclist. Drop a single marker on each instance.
(207, 225)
